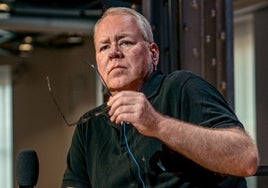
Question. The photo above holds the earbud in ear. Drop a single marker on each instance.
(153, 56)
(154, 60)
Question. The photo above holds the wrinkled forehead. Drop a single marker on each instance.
(116, 24)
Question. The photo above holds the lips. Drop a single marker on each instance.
(115, 67)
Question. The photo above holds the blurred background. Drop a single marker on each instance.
(224, 41)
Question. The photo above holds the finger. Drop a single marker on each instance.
(124, 117)
(117, 96)
(121, 100)
(129, 113)
(122, 111)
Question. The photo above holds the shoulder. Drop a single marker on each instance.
(190, 84)
(184, 78)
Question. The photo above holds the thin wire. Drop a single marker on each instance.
(132, 155)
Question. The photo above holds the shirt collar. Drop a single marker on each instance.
(152, 85)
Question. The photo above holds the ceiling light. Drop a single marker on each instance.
(4, 7)
(25, 47)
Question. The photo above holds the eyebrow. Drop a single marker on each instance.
(118, 37)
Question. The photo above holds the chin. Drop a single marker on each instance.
(121, 86)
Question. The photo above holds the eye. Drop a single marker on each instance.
(125, 43)
(104, 47)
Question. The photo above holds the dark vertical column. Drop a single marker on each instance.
(164, 17)
(229, 51)
(261, 59)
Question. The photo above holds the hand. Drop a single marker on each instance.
(133, 107)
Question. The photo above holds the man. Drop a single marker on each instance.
(171, 130)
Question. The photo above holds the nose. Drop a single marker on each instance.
(115, 53)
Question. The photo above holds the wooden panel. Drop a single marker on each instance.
(205, 36)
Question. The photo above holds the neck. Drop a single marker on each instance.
(134, 86)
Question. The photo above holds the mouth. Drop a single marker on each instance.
(116, 68)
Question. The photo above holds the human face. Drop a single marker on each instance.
(123, 57)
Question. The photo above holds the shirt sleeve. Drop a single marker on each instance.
(206, 106)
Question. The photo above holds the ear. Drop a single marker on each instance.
(154, 53)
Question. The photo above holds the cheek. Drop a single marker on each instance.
(101, 65)
(99, 59)
(141, 59)
(140, 53)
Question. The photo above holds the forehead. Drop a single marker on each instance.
(112, 25)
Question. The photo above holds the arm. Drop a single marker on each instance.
(226, 150)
